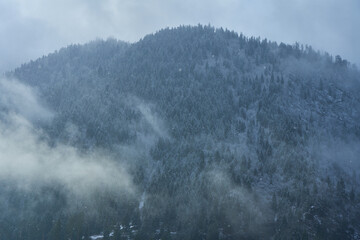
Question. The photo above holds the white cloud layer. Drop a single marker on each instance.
(29, 161)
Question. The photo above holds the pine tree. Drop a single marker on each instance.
(56, 231)
(117, 232)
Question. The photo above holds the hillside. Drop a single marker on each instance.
(222, 137)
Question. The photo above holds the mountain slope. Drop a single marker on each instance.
(224, 136)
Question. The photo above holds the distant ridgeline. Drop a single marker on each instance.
(224, 137)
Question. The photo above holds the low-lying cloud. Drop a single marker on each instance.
(28, 160)
(20, 99)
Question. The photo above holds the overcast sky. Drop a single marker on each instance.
(32, 28)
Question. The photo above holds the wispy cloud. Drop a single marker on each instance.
(28, 160)
(18, 98)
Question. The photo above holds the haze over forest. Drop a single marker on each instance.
(191, 132)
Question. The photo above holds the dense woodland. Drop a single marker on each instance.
(232, 138)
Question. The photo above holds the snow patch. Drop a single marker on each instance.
(95, 237)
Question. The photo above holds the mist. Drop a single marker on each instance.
(19, 99)
(29, 161)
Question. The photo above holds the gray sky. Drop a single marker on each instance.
(32, 28)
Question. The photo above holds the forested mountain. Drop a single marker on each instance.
(221, 136)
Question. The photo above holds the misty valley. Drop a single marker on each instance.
(192, 132)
